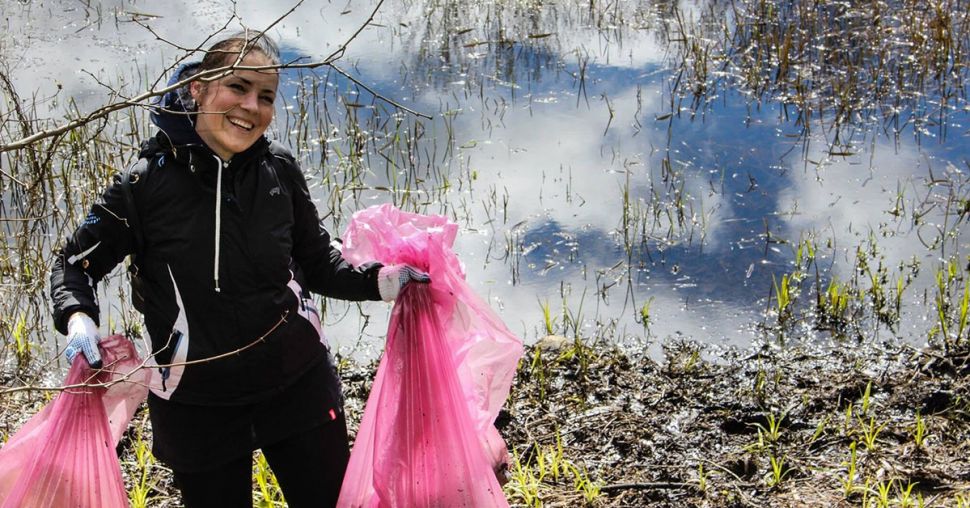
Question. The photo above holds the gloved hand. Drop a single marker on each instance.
(392, 279)
(82, 337)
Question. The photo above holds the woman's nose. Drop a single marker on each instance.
(250, 102)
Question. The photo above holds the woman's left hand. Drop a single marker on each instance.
(392, 279)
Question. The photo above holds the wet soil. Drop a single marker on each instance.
(697, 430)
(600, 426)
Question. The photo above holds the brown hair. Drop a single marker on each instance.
(226, 51)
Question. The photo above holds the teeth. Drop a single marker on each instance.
(240, 123)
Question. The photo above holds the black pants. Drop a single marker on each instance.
(309, 466)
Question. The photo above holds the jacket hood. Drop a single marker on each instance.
(170, 111)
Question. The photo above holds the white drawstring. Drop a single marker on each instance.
(218, 223)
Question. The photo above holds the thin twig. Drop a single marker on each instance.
(209, 75)
(229, 353)
(189, 52)
(145, 365)
(646, 485)
(26, 219)
(21, 117)
(375, 94)
(343, 47)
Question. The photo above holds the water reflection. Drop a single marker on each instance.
(583, 178)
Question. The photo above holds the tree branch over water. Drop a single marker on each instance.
(210, 75)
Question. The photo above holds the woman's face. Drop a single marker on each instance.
(235, 111)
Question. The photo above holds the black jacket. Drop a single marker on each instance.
(269, 251)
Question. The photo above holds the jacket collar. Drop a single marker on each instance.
(199, 156)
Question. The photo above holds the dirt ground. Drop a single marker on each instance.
(774, 428)
(782, 426)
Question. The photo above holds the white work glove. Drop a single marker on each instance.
(392, 279)
(82, 337)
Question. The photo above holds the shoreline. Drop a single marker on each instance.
(800, 425)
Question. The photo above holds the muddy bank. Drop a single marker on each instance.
(848, 425)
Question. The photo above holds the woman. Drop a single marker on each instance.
(228, 243)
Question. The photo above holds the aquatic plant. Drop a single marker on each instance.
(268, 493)
(952, 305)
(543, 469)
(870, 432)
(849, 482)
(866, 398)
(779, 471)
(918, 430)
(144, 483)
(904, 495)
(771, 430)
(645, 314)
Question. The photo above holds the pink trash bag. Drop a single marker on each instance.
(65, 455)
(427, 437)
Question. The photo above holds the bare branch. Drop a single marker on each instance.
(24, 124)
(138, 100)
(209, 75)
(110, 88)
(375, 94)
(189, 51)
(144, 365)
(281, 18)
(234, 352)
(24, 219)
(343, 47)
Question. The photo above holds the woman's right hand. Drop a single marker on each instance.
(83, 337)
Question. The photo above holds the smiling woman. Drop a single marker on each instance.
(238, 358)
(235, 110)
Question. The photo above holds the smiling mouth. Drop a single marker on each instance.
(242, 124)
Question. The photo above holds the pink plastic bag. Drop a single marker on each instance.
(427, 437)
(65, 455)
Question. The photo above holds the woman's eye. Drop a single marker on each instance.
(267, 99)
(237, 87)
